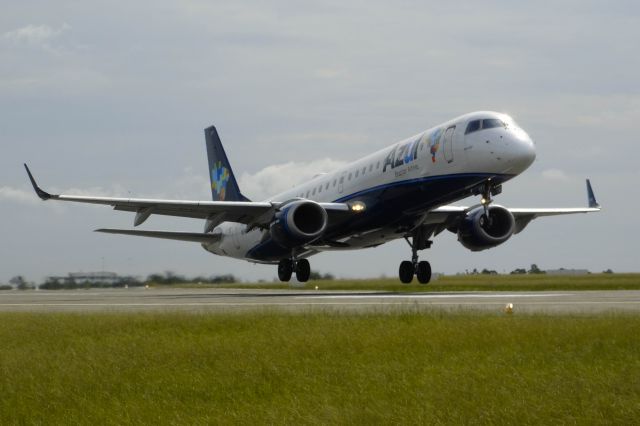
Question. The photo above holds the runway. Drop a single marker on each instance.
(224, 300)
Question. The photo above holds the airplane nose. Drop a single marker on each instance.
(528, 151)
(524, 153)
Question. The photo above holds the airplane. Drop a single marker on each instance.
(402, 191)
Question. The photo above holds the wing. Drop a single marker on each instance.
(254, 214)
(442, 216)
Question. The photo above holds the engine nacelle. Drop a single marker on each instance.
(477, 233)
(298, 223)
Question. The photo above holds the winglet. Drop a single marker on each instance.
(42, 194)
(591, 197)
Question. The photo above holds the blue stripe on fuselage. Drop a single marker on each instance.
(384, 207)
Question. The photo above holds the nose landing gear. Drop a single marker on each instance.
(286, 268)
(488, 190)
(421, 269)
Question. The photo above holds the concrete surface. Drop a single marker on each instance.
(171, 299)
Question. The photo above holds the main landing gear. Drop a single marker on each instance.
(286, 268)
(421, 269)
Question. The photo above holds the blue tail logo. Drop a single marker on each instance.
(219, 179)
(224, 186)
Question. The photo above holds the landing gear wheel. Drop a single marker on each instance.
(406, 272)
(303, 270)
(423, 272)
(285, 269)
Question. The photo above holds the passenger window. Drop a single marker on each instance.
(320, 189)
(307, 196)
(370, 167)
(335, 181)
(327, 186)
(314, 192)
(473, 126)
(378, 165)
(357, 172)
(349, 178)
(364, 169)
(341, 179)
(490, 123)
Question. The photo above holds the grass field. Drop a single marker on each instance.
(315, 368)
(473, 283)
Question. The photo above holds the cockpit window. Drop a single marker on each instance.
(490, 123)
(473, 126)
(487, 123)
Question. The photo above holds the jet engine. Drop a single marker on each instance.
(478, 232)
(299, 222)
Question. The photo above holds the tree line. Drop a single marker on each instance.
(166, 278)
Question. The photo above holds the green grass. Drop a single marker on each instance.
(316, 368)
(472, 283)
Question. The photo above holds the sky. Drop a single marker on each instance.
(111, 98)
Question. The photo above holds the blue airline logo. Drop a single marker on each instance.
(219, 180)
(401, 155)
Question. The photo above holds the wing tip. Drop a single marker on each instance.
(591, 198)
(44, 195)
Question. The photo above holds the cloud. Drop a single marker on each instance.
(189, 186)
(555, 175)
(35, 34)
(10, 194)
(328, 73)
(281, 177)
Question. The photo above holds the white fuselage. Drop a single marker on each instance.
(450, 149)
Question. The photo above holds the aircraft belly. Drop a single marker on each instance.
(402, 202)
(393, 208)
(235, 242)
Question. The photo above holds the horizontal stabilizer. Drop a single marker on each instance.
(167, 235)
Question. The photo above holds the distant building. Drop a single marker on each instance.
(105, 279)
(95, 277)
(563, 271)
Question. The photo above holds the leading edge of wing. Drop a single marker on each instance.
(592, 207)
(139, 202)
(167, 235)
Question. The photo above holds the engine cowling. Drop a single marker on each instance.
(298, 223)
(477, 233)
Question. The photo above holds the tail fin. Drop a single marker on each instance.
(223, 183)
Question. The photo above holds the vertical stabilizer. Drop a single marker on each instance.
(224, 186)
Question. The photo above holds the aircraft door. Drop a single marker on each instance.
(341, 182)
(448, 144)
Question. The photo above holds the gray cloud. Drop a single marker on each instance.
(280, 177)
(35, 34)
